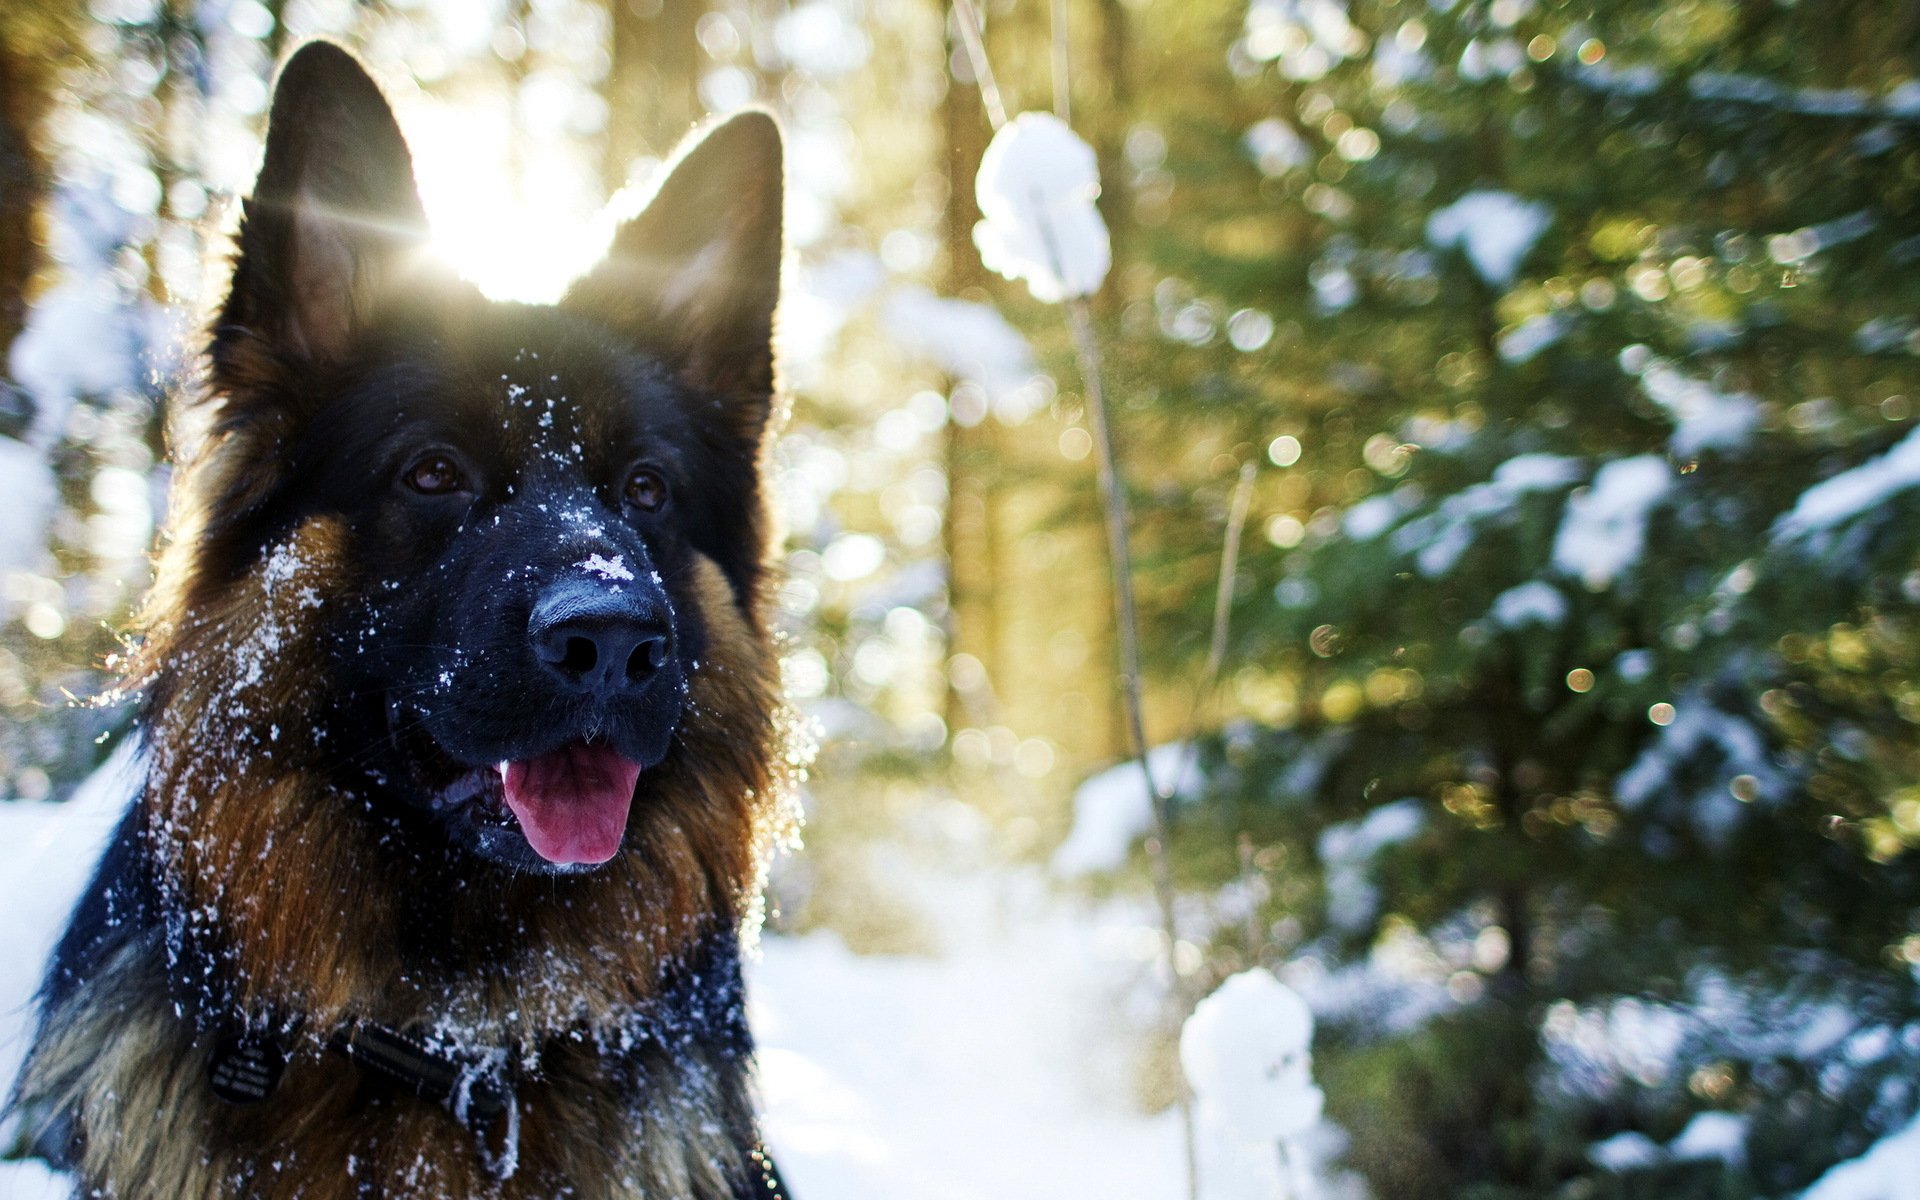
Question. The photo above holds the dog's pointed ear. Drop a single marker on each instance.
(695, 275)
(334, 217)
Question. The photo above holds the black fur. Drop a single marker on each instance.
(526, 498)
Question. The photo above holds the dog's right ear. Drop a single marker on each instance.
(334, 218)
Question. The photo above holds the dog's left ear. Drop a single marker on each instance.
(695, 276)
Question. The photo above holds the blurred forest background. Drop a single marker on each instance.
(1564, 756)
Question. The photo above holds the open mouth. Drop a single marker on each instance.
(570, 804)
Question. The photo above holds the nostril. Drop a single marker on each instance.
(579, 656)
(649, 655)
(601, 643)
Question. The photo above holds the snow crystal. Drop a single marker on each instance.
(1527, 339)
(1851, 493)
(1347, 851)
(819, 299)
(1483, 60)
(1832, 102)
(1111, 811)
(1036, 187)
(1605, 527)
(1536, 472)
(1395, 62)
(1704, 417)
(1275, 147)
(1699, 726)
(27, 495)
(1624, 1152)
(963, 337)
(1634, 665)
(1246, 1050)
(1438, 539)
(846, 1115)
(1883, 335)
(820, 40)
(1334, 287)
(1371, 517)
(1809, 240)
(1307, 767)
(1495, 229)
(1748, 89)
(1605, 76)
(614, 568)
(76, 343)
(1307, 37)
(1720, 1135)
(1394, 991)
(32, 1180)
(1535, 602)
(1594, 1049)
(1887, 1170)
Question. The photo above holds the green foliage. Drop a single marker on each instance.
(1529, 562)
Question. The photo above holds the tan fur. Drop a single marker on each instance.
(289, 904)
(297, 904)
(128, 1062)
(303, 898)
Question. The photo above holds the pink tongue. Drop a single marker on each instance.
(572, 803)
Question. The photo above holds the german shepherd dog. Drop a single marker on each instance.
(464, 745)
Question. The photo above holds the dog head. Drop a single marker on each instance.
(492, 572)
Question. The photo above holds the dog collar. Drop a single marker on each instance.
(476, 1090)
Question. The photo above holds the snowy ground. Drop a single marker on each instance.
(971, 1076)
(996, 1069)
(987, 1072)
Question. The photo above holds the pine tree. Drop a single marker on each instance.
(1583, 709)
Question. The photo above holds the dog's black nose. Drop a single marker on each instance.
(595, 640)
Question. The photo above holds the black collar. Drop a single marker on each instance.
(476, 1089)
(702, 1001)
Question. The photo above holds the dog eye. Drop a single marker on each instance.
(646, 490)
(435, 475)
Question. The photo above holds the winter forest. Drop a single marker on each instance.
(1514, 410)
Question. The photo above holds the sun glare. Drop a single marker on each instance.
(520, 220)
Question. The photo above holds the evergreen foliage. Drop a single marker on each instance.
(1581, 341)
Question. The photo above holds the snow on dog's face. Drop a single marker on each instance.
(533, 505)
(539, 531)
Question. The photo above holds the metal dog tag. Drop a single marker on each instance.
(245, 1070)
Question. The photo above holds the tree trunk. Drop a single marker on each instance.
(653, 83)
(23, 182)
(969, 524)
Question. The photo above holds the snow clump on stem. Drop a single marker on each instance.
(1247, 1052)
(1036, 187)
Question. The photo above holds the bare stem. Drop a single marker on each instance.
(1062, 101)
(1113, 500)
(1120, 558)
(968, 18)
(1229, 568)
(1222, 622)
